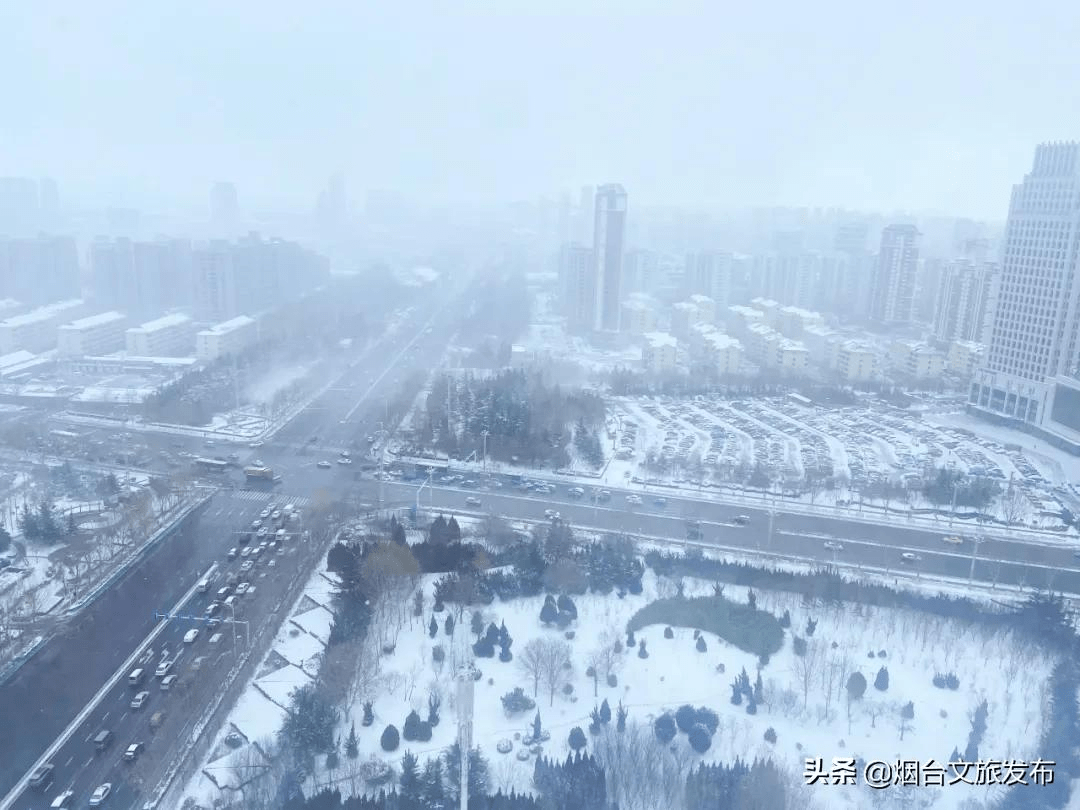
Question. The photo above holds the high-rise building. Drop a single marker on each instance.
(964, 299)
(214, 282)
(576, 286)
(1031, 369)
(709, 273)
(609, 231)
(142, 279)
(892, 295)
(224, 208)
(39, 269)
(641, 272)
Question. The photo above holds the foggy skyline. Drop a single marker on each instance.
(695, 104)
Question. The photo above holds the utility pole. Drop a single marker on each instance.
(465, 690)
(484, 435)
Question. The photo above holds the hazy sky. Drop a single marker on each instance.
(925, 104)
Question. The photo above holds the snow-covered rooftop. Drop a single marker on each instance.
(14, 359)
(684, 306)
(164, 322)
(746, 312)
(719, 341)
(659, 340)
(92, 321)
(698, 298)
(231, 325)
(43, 313)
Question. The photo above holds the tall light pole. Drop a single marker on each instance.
(975, 540)
(465, 690)
(484, 434)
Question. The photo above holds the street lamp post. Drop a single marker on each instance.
(974, 553)
(484, 434)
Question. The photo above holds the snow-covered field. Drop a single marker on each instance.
(804, 697)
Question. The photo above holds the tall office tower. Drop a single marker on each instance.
(583, 231)
(835, 286)
(1030, 374)
(609, 231)
(709, 273)
(931, 272)
(224, 208)
(576, 286)
(892, 294)
(965, 295)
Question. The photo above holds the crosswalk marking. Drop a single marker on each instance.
(265, 497)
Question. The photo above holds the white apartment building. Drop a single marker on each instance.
(856, 362)
(638, 316)
(1030, 375)
(659, 353)
(791, 357)
(706, 307)
(770, 311)
(823, 344)
(35, 331)
(965, 357)
(916, 360)
(230, 337)
(794, 321)
(740, 318)
(965, 300)
(97, 334)
(168, 336)
(722, 351)
(892, 295)
(684, 316)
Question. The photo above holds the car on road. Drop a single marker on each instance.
(246, 566)
(140, 699)
(256, 524)
(241, 589)
(100, 794)
(472, 501)
(255, 445)
(741, 520)
(634, 499)
(344, 460)
(246, 552)
(551, 514)
(264, 514)
(953, 540)
(167, 682)
(832, 545)
(324, 465)
(371, 440)
(62, 799)
(42, 776)
(233, 553)
(263, 532)
(910, 557)
(191, 635)
(131, 753)
(661, 502)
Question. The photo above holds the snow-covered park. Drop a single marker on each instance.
(780, 677)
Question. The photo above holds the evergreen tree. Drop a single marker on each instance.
(478, 771)
(605, 712)
(411, 786)
(434, 792)
(536, 727)
(620, 718)
(434, 703)
(437, 531)
(567, 607)
(881, 682)
(577, 739)
(505, 642)
(699, 738)
(71, 525)
(701, 646)
(47, 524)
(390, 739)
(333, 758)
(5, 540)
(759, 689)
(28, 524)
(433, 627)
(409, 730)
(352, 744)
(811, 626)
(549, 614)
(448, 626)
(453, 531)
(751, 600)
(477, 624)
(397, 532)
(665, 728)
(369, 714)
(785, 620)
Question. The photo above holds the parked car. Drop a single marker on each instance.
(232, 554)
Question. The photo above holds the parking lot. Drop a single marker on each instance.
(787, 443)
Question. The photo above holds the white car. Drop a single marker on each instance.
(551, 514)
(344, 460)
(324, 465)
(472, 501)
(246, 566)
(101, 793)
(241, 588)
(139, 700)
(256, 445)
(264, 514)
(634, 499)
(953, 540)
(832, 545)
(910, 556)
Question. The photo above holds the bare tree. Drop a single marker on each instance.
(1013, 505)
(557, 666)
(531, 661)
(643, 774)
(806, 667)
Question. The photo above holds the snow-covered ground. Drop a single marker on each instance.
(804, 697)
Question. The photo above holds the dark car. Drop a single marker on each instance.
(42, 776)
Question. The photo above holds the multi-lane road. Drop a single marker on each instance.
(68, 682)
